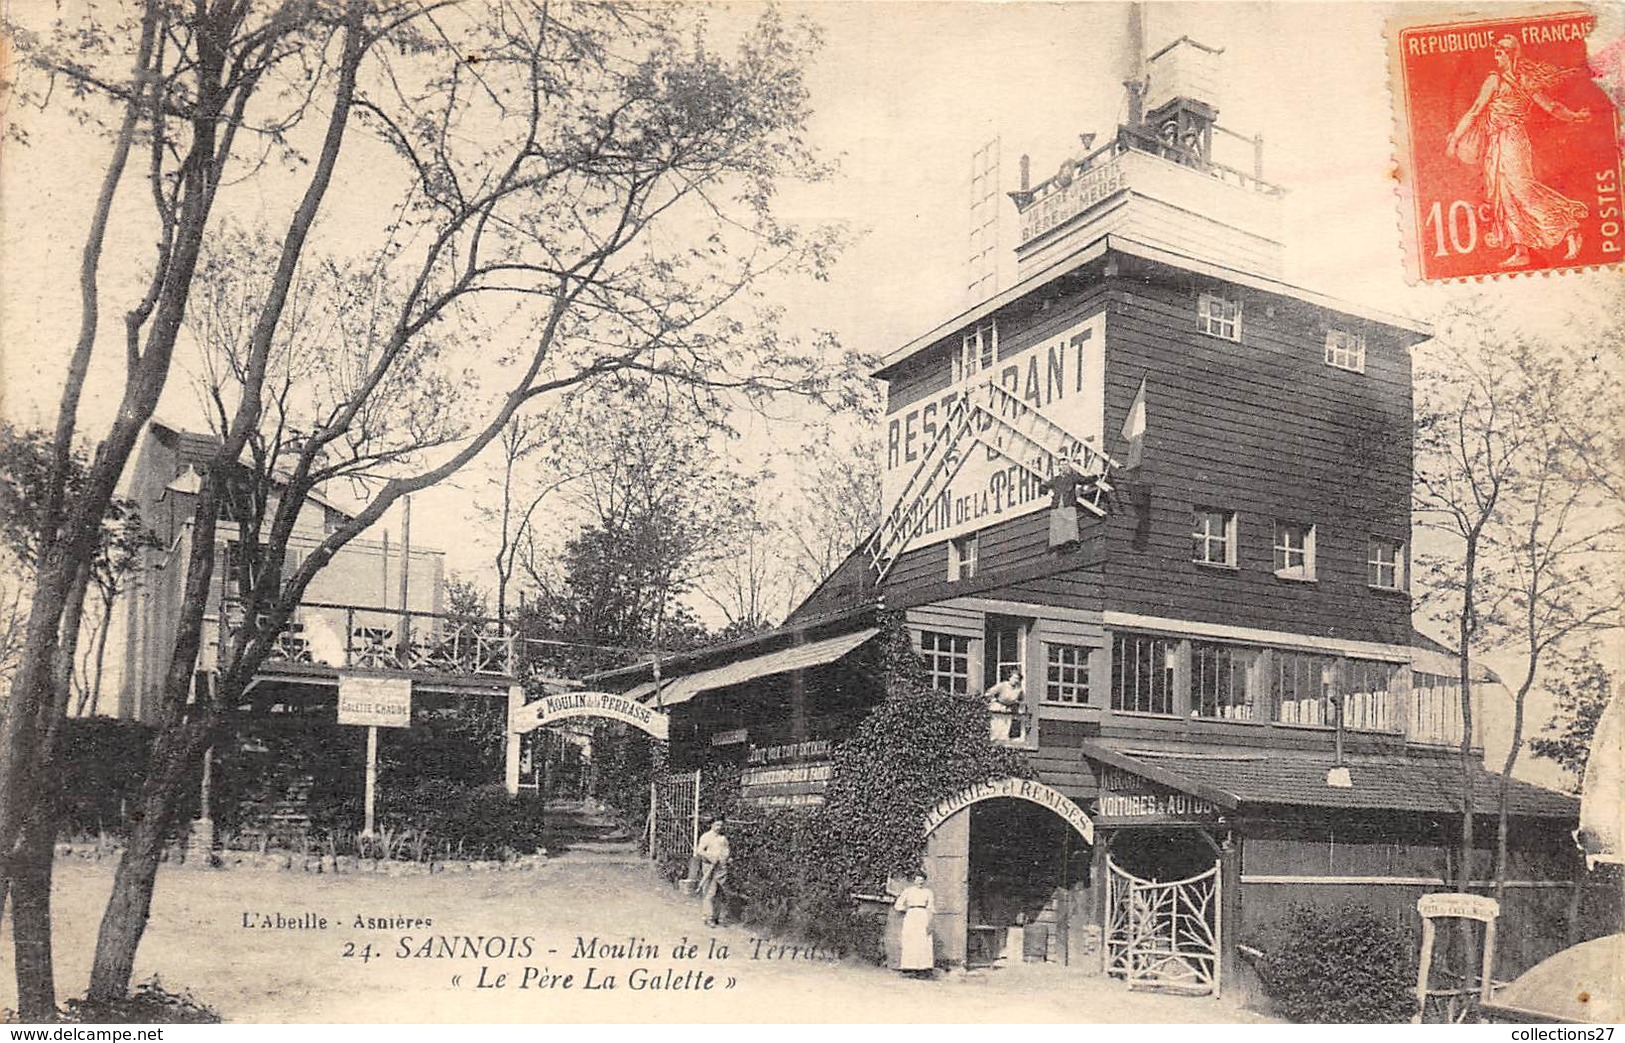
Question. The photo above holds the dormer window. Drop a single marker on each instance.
(1219, 316)
(979, 349)
(1345, 350)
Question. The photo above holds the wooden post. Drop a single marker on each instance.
(372, 778)
(651, 824)
(1422, 969)
(1229, 913)
(510, 763)
(694, 827)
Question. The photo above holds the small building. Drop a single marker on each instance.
(364, 577)
(375, 615)
(1172, 493)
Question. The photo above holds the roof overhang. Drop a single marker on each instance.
(1131, 248)
(786, 660)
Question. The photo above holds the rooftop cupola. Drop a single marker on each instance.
(1171, 177)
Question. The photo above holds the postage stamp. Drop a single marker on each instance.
(1508, 150)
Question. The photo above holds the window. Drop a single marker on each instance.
(1006, 649)
(1345, 350)
(1369, 701)
(1435, 708)
(1143, 673)
(1213, 537)
(1386, 561)
(1294, 550)
(1066, 677)
(947, 660)
(962, 557)
(1224, 681)
(1219, 317)
(1299, 686)
(979, 349)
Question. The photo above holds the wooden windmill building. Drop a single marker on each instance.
(1173, 492)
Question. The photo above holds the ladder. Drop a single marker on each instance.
(997, 418)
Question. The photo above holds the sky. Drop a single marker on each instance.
(903, 94)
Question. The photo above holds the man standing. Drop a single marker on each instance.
(712, 851)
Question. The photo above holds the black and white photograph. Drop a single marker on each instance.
(669, 512)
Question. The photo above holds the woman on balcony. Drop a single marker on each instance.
(1004, 704)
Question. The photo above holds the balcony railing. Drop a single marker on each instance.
(367, 637)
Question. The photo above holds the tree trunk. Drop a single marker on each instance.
(125, 919)
(30, 875)
(101, 657)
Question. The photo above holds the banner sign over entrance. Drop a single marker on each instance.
(550, 708)
(1062, 377)
(383, 702)
(1021, 789)
(1128, 799)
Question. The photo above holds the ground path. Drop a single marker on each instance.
(253, 974)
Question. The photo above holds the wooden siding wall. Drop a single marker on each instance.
(1266, 429)
(1058, 761)
(1566, 906)
(1263, 428)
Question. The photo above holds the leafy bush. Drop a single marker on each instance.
(477, 822)
(101, 764)
(1349, 964)
(797, 869)
(916, 747)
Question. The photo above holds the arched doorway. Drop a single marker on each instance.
(1027, 885)
(1009, 863)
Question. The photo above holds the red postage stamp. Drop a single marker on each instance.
(1509, 152)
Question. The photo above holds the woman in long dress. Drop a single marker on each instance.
(917, 903)
(1524, 212)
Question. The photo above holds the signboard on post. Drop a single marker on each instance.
(382, 702)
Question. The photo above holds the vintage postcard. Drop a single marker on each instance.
(527, 512)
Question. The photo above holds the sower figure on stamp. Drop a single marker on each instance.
(712, 851)
(1493, 133)
(916, 903)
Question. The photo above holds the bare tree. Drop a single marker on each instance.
(751, 582)
(531, 472)
(591, 196)
(1560, 535)
(841, 506)
(1517, 458)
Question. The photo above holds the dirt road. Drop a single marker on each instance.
(591, 936)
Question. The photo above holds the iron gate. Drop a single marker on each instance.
(674, 818)
(1164, 935)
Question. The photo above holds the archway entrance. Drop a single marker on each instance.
(1027, 883)
(1008, 861)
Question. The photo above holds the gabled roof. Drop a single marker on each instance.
(209, 442)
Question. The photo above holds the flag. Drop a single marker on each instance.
(1134, 428)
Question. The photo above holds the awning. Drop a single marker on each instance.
(800, 657)
(1390, 783)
